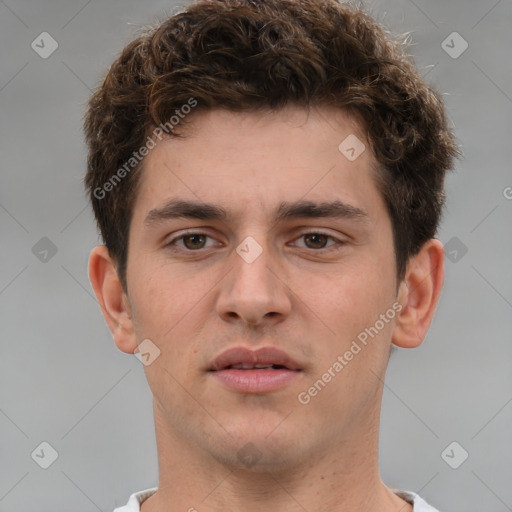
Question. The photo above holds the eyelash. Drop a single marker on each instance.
(171, 243)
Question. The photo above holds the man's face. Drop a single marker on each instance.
(303, 283)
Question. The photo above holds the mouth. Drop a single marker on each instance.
(255, 371)
(242, 358)
(249, 366)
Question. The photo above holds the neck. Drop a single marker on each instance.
(342, 477)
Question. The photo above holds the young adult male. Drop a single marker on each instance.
(267, 178)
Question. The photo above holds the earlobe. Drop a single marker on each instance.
(418, 294)
(112, 299)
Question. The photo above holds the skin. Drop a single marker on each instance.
(310, 297)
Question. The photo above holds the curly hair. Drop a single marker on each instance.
(248, 55)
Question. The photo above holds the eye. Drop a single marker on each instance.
(191, 241)
(317, 240)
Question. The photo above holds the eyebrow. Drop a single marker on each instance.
(179, 209)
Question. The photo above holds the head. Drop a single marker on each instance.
(244, 105)
(247, 56)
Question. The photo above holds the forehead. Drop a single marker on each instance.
(254, 162)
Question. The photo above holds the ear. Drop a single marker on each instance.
(112, 299)
(418, 294)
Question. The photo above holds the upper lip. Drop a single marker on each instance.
(264, 355)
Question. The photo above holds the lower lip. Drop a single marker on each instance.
(255, 381)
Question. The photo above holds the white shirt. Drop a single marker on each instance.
(136, 499)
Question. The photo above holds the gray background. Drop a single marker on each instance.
(63, 381)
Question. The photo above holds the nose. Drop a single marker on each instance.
(254, 292)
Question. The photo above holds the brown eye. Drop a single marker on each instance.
(196, 241)
(189, 242)
(316, 240)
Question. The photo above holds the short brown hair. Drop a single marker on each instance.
(248, 55)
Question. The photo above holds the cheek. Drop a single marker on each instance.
(159, 299)
(347, 304)
(169, 307)
(353, 295)
(355, 351)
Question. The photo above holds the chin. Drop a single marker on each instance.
(262, 447)
(257, 457)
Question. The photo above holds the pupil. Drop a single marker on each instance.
(194, 237)
(318, 240)
(317, 236)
